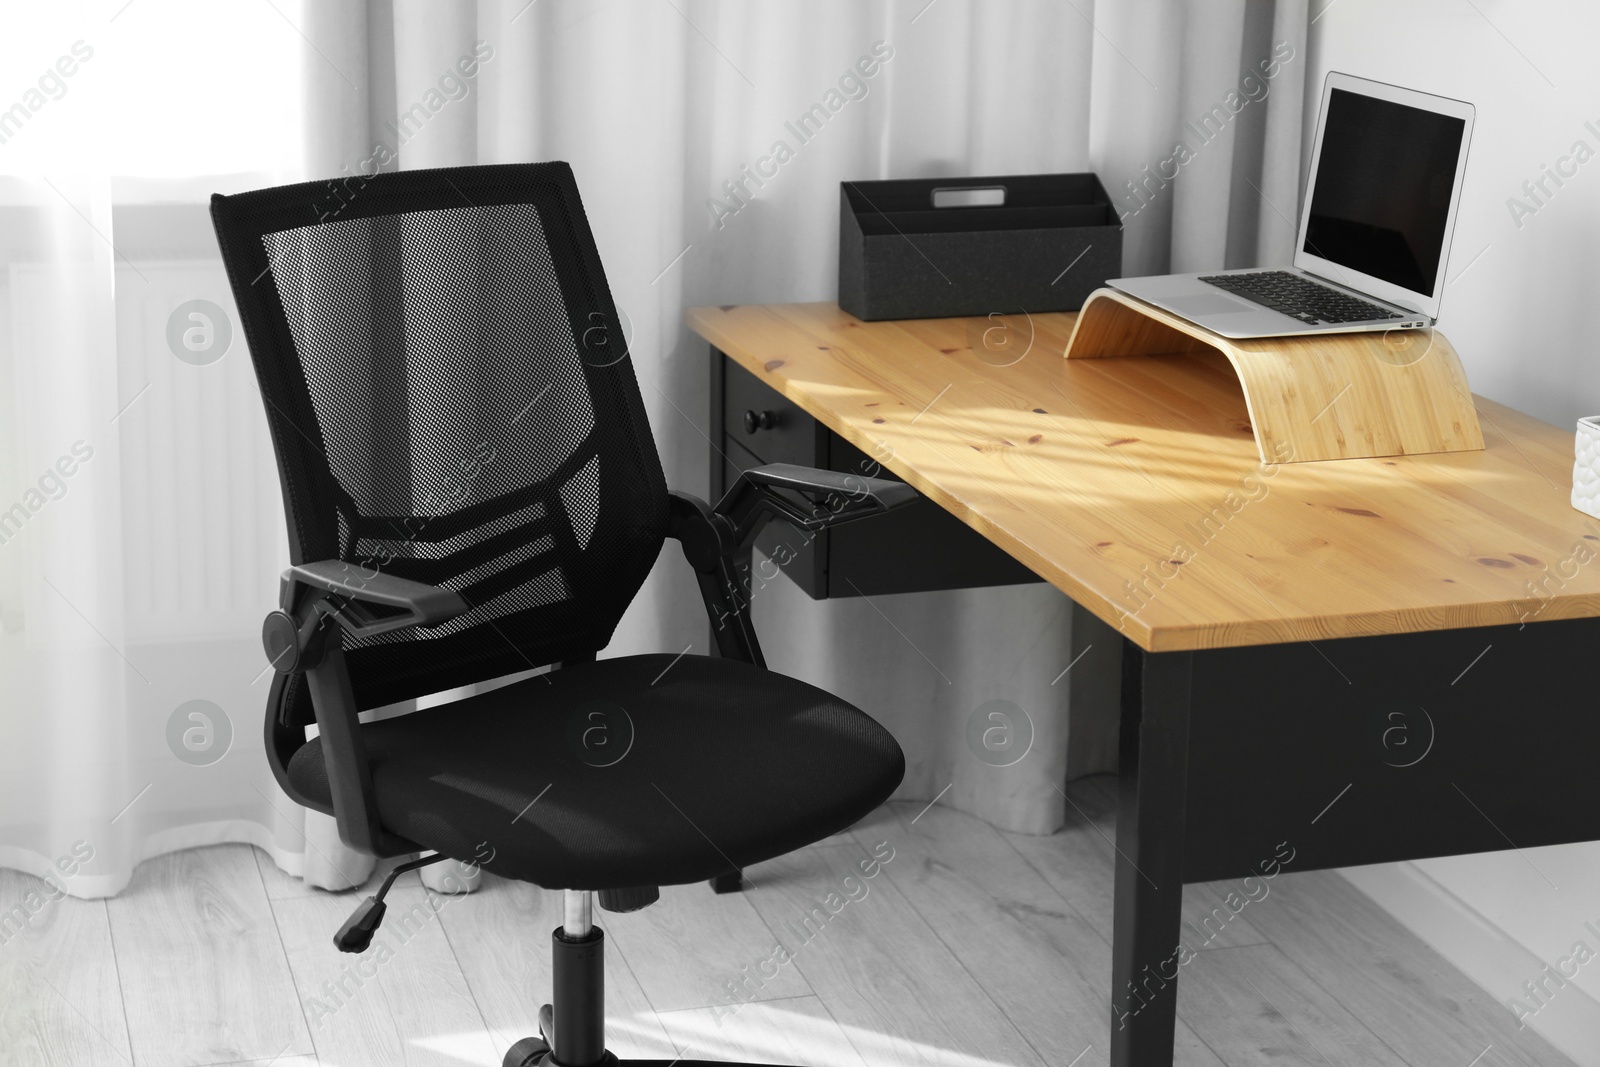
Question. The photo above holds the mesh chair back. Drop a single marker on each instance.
(451, 401)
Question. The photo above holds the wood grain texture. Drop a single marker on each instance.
(798, 1031)
(1332, 966)
(204, 975)
(1245, 1001)
(1134, 486)
(1404, 991)
(404, 1000)
(1044, 963)
(1079, 862)
(501, 937)
(1321, 397)
(900, 994)
(59, 996)
(914, 972)
(690, 949)
(1036, 954)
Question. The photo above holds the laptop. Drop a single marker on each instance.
(1374, 232)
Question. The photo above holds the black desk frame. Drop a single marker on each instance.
(1339, 752)
(1352, 751)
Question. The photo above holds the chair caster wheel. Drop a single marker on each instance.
(529, 1052)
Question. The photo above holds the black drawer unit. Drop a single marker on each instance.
(916, 548)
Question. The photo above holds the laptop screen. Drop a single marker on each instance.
(1381, 203)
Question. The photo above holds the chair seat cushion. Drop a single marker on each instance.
(643, 770)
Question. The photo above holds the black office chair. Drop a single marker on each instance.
(473, 491)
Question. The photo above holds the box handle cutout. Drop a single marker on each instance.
(970, 196)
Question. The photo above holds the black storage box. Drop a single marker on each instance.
(937, 247)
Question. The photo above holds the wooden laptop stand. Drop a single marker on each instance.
(1328, 396)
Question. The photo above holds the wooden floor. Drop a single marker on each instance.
(971, 947)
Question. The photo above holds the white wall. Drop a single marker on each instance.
(1522, 316)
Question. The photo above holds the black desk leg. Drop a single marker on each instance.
(1152, 777)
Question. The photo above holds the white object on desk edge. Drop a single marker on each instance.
(1586, 467)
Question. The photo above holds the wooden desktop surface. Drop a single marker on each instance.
(1133, 484)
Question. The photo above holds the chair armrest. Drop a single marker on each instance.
(716, 541)
(711, 550)
(318, 602)
(808, 498)
(371, 602)
(364, 601)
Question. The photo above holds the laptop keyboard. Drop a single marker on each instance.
(1300, 298)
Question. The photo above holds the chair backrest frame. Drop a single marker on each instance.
(452, 468)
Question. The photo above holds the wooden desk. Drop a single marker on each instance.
(1353, 662)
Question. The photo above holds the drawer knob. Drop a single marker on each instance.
(759, 420)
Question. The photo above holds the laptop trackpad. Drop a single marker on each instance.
(1208, 304)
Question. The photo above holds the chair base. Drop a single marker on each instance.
(574, 1024)
(545, 1059)
(535, 1052)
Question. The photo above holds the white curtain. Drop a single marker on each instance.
(141, 530)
